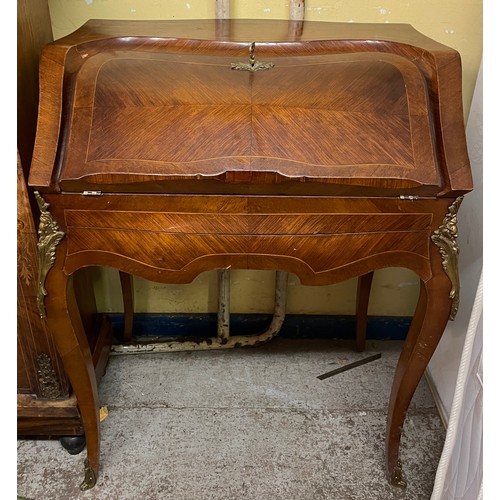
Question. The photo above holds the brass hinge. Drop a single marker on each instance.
(92, 193)
(408, 197)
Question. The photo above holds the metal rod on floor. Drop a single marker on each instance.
(280, 296)
(349, 366)
(223, 309)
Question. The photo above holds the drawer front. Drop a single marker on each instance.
(180, 246)
(248, 224)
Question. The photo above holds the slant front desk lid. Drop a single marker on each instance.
(248, 106)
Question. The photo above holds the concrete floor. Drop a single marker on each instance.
(245, 424)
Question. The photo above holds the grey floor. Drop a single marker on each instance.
(245, 424)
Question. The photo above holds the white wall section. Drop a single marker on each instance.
(456, 369)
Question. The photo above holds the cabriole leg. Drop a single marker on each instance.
(65, 326)
(431, 316)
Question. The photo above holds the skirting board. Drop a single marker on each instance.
(443, 414)
(180, 326)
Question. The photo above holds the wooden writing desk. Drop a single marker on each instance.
(330, 150)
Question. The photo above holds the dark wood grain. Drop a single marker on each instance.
(48, 418)
(305, 168)
(34, 30)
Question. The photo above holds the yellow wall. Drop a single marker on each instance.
(456, 23)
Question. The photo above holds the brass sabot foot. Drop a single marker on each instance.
(397, 476)
(90, 477)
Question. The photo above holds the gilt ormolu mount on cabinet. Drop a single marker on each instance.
(330, 150)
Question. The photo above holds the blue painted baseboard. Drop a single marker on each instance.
(342, 327)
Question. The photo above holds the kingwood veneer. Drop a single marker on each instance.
(165, 149)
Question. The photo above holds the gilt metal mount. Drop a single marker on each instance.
(90, 477)
(445, 237)
(252, 65)
(397, 476)
(49, 236)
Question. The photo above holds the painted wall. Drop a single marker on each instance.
(457, 23)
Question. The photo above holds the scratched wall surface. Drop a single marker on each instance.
(456, 23)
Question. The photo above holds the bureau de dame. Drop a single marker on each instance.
(329, 150)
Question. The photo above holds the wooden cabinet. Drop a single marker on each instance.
(168, 148)
(46, 404)
(42, 384)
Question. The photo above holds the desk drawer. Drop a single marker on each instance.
(344, 246)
